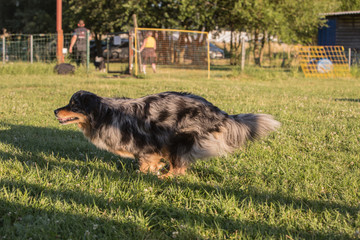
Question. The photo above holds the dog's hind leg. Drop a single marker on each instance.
(151, 163)
(124, 154)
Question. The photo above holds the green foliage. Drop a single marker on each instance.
(100, 16)
(109, 16)
(28, 16)
(350, 5)
(299, 183)
(292, 21)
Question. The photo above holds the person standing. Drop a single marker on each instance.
(79, 40)
(149, 55)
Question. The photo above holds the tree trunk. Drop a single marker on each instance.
(182, 48)
(256, 50)
(231, 48)
(234, 47)
(262, 47)
(270, 53)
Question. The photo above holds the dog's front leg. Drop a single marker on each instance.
(151, 163)
(177, 167)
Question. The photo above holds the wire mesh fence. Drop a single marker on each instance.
(114, 50)
(353, 54)
(31, 47)
(170, 48)
(174, 49)
(273, 55)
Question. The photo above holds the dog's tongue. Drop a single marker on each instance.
(62, 120)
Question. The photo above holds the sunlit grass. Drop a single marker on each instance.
(302, 182)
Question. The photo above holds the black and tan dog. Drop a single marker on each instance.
(176, 127)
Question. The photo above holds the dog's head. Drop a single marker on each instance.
(81, 109)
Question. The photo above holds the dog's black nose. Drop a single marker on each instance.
(56, 111)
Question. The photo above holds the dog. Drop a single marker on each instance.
(175, 127)
(99, 64)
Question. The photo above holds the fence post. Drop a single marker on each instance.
(108, 53)
(31, 49)
(349, 58)
(208, 54)
(87, 50)
(3, 50)
(131, 53)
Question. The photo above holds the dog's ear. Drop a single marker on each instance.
(91, 104)
(93, 108)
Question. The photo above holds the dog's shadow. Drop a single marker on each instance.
(29, 143)
(347, 100)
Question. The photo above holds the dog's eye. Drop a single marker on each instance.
(74, 103)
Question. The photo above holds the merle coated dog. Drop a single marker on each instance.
(170, 126)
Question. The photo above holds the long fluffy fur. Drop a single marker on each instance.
(177, 127)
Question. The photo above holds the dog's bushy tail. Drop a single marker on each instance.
(234, 133)
(250, 127)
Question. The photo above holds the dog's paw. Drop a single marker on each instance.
(166, 176)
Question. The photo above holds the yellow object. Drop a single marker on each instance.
(150, 42)
(323, 61)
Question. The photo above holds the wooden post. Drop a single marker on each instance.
(137, 47)
(60, 37)
(208, 54)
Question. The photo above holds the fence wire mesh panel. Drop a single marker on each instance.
(179, 49)
(353, 54)
(33, 48)
(116, 52)
(323, 61)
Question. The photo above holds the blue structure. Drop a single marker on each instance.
(343, 29)
(327, 35)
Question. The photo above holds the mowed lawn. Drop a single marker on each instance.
(301, 182)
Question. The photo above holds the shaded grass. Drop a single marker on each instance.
(300, 183)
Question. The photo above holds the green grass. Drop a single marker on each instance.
(301, 182)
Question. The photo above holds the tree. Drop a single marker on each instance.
(154, 13)
(100, 16)
(28, 16)
(291, 21)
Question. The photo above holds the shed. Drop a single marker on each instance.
(343, 30)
